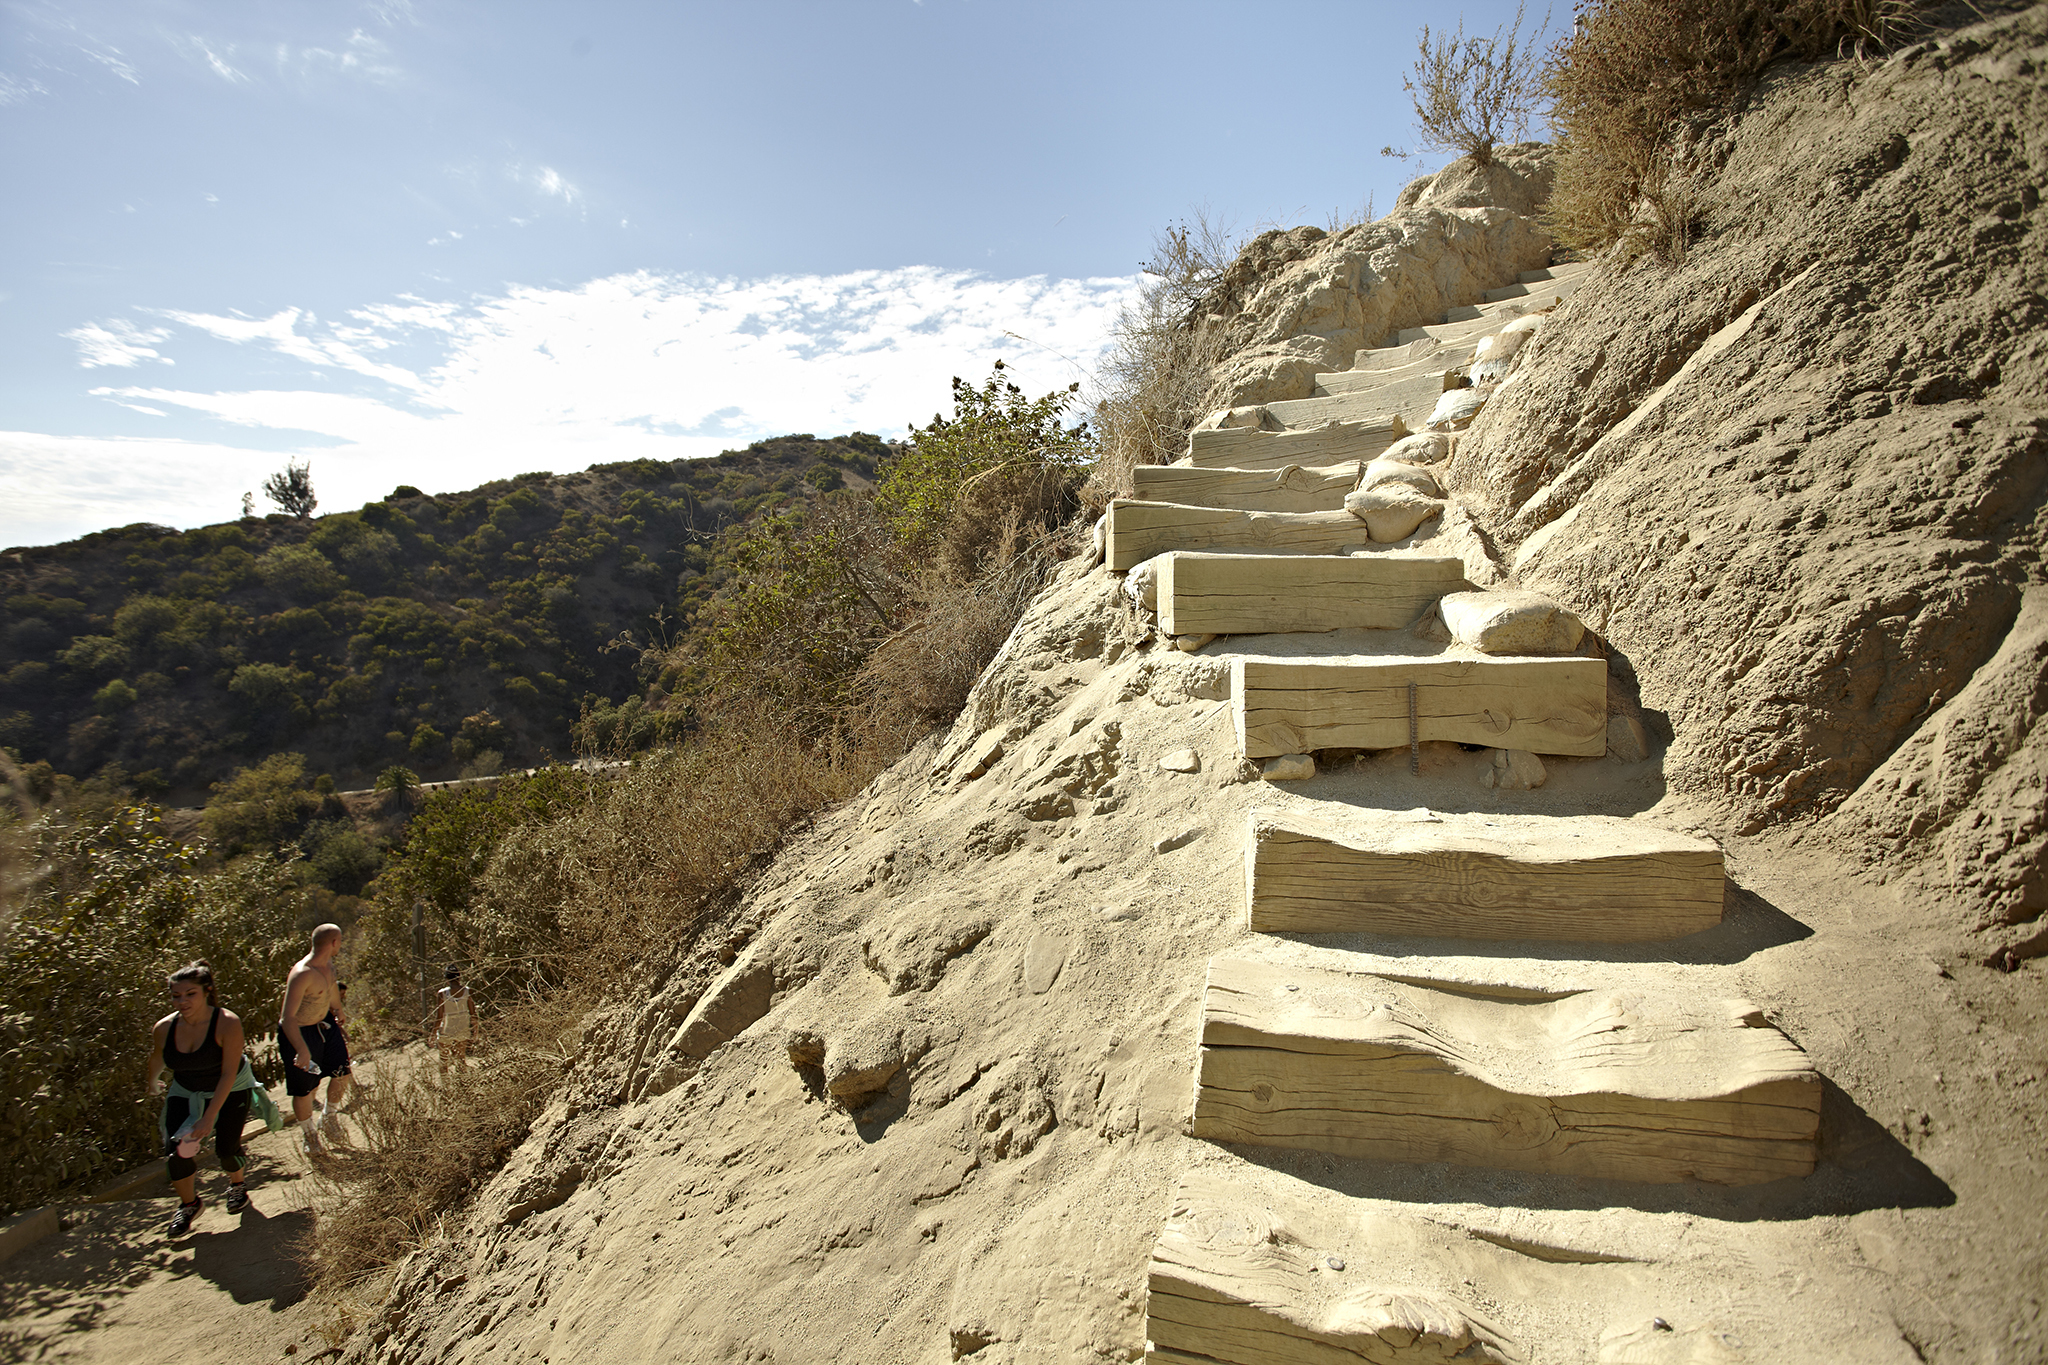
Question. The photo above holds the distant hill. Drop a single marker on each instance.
(452, 633)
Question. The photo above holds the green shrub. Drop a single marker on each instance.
(116, 697)
(260, 807)
(299, 571)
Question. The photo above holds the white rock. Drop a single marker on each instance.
(1500, 346)
(1188, 644)
(1455, 410)
(1141, 584)
(1392, 511)
(1424, 447)
(1174, 841)
(1528, 323)
(1182, 761)
(1514, 770)
(1288, 768)
(1098, 536)
(1511, 621)
(1381, 472)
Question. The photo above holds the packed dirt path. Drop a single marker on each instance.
(112, 1289)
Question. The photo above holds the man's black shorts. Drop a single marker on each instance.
(330, 1054)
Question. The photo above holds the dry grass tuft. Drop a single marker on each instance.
(1165, 348)
(1470, 93)
(1640, 75)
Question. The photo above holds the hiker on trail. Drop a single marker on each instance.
(455, 1023)
(212, 1091)
(309, 1039)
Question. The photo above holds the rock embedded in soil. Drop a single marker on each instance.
(1511, 621)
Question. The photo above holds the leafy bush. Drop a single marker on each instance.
(260, 807)
(299, 571)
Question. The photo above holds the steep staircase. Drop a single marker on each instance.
(1317, 515)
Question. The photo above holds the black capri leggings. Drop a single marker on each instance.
(227, 1133)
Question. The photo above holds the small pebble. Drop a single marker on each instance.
(1334, 1262)
(1292, 987)
(1660, 1324)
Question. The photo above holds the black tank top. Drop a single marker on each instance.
(198, 1069)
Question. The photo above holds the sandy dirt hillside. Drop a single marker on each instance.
(950, 1084)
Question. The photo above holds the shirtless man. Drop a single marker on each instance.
(309, 1038)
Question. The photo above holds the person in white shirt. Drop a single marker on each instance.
(455, 1022)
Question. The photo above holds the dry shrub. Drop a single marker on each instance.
(427, 1142)
(1470, 93)
(1639, 75)
(580, 909)
(1164, 347)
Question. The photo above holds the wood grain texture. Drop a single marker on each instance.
(1546, 706)
(1140, 530)
(1292, 489)
(1241, 1277)
(1365, 435)
(1251, 594)
(1586, 878)
(1656, 1087)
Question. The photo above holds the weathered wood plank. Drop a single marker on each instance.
(1140, 530)
(1362, 436)
(1588, 878)
(1292, 489)
(1261, 594)
(1638, 1086)
(1545, 706)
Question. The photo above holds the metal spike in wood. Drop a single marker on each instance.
(1414, 736)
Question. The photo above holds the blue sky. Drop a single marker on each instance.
(439, 242)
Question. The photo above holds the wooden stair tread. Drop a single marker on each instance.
(1247, 594)
(1245, 1272)
(1360, 436)
(1544, 706)
(1289, 489)
(1139, 530)
(1629, 1085)
(1583, 878)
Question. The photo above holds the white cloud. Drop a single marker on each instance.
(112, 60)
(119, 342)
(19, 89)
(624, 367)
(216, 62)
(57, 487)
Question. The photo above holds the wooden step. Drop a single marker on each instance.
(1260, 1267)
(1544, 706)
(1570, 270)
(1662, 1086)
(1358, 437)
(1292, 489)
(1139, 530)
(1545, 292)
(1250, 594)
(1589, 878)
(1466, 325)
(1298, 413)
(1411, 395)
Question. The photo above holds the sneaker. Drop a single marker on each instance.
(314, 1147)
(237, 1200)
(330, 1125)
(181, 1221)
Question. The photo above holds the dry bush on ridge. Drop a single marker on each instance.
(1470, 93)
(1639, 75)
(1163, 350)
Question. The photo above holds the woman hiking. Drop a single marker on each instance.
(212, 1090)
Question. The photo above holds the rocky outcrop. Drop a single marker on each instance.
(1798, 480)
(1298, 303)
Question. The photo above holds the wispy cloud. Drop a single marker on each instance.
(216, 61)
(118, 342)
(643, 364)
(19, 89)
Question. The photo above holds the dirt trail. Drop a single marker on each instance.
(112, 1289)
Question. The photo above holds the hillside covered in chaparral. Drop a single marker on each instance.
(1513, 831)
